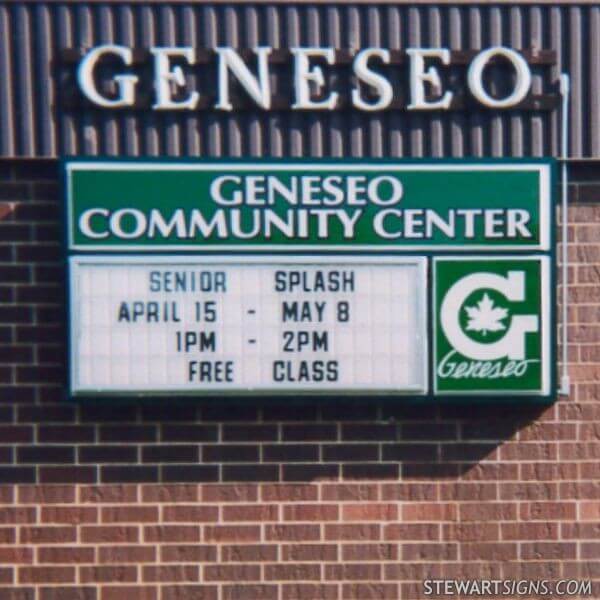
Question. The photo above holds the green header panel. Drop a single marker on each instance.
(301, 205)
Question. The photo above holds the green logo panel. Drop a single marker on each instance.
(491, 325)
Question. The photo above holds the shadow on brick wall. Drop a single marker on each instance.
(284, 441)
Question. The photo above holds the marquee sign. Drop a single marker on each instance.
(422, 278)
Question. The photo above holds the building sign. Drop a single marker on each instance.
(422, 278)
(113, 76)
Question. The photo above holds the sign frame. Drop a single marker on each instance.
(428, 252)
(310, 389)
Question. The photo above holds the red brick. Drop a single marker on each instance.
(548, 471)
(108, 494)
(370, 512)
(289, 492)
(249, 553)
(172, 533)
(311, 512)
(129, 514)
(412, 571)
(589, 511)
(189, 573)
(474, 570)
(460, 491)
(52, 574)
(293, 572)
(46, 494)
(188, 553)
(232, 533)
(491, 511)
(251, 512)
(312, 591)
(7, 494)
(232, 573)
(229, 493)
(73, 515)
(249, 592)
(471, 532)
(108, 574)
(529, 531)
(62, 555)
(47, 535)
(130, 592)
(370, 591)
(571, 531)
(17, 515)
(429, 552)
(6, 575)
(488, 551)
(20, 593)
(528, 451)
(373, 470)
(68, 593)
(8, 535)
(585, 490)
(528, 491)
(190, 513)
(362, 552)
(590, 550)
(412, 531)
(126, 554)
(189, 592)
(589, 471)
(428, 512)
(309, 472)
(549, 432)
(110, 534)
(67, 474)
(16, 555)
(293, 533)
(170, 494)
(408, 491)
(492, 472)
(543, 511)
(535, 570)
(548, 551)
(354, 533)
(579, 451)
(309, 552)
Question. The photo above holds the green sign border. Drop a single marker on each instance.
(430, 253)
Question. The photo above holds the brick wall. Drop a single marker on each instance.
(339, 499)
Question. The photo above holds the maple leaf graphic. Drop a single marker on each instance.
(484, 317)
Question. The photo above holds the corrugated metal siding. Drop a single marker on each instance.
(32, 34)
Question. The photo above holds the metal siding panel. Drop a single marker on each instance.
(46, 97)
(32, 34)
(535, 125)
(593, 98)
(24, 81)
(8, 125)
(576, 68)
